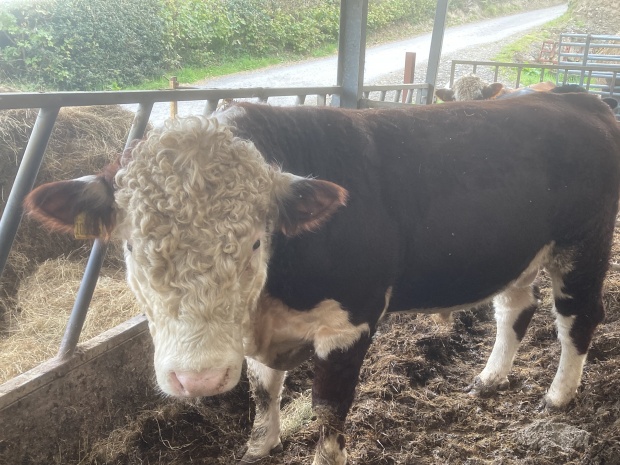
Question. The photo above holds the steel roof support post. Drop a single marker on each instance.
(351, 52)
(95, 259)
(434, 53)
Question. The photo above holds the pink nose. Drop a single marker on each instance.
(198, 384)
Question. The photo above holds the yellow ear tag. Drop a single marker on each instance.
(84, 227)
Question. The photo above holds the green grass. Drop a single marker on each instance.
(523, 45)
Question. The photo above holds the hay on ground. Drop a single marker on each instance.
(46, 299)
(84, 140)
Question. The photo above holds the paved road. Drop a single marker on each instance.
(381, 61)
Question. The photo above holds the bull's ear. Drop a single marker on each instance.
(445, 95)
(612, 102)
(83, 206)
(308, 203)
(492, 90)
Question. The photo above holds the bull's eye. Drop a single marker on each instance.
(256, 245)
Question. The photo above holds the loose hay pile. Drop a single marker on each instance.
(34, 308)
(45, 299)
(83, 141)
(411, 407)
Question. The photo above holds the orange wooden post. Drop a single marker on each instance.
(409, 72)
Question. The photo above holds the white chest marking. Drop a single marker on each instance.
(278, 328)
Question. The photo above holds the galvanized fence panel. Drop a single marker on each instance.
(590, 50)
(561, 74)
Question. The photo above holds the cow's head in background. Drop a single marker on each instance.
(471, 87)
(196, 207)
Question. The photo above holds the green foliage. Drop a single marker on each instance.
(193, 29)
(382, 13)
(81, 44)
(109, 44)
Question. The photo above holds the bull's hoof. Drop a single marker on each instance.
(249, 457)
(481, 389)
(547, 404)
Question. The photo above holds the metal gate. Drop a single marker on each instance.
(589, 50)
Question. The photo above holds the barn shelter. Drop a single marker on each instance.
(300, 216)
(47, 412)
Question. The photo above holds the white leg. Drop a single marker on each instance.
(568, 376)
(266, 385)
(513, 311)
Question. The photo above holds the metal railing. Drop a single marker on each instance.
(590, 50)
(394, 93)
(561, 74)
(50, 105)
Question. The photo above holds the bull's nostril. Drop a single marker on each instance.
(176, 384)
(199, 383)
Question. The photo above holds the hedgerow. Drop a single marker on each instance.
(107, 44)
(81, 44)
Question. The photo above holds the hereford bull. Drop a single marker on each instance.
(280, 234)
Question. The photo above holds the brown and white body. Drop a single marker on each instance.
(282, 234)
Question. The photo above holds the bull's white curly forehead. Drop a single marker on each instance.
(468, 88)
(189, 197)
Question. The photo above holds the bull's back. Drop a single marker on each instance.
(499, 182)
(448, 202)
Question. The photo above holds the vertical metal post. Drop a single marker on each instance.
(435, 51)
(351, 52)
(211, 106)
(452, 73)
(95, 260)
(26, 176)
(584, 62)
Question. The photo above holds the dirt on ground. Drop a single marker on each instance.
(595, 16)
(411, 405)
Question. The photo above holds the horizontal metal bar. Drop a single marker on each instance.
(564, 67)
(572, 44)
(592, 36)
(394, 87)
(604, 58)
(607, 66)
(571, 55)
(9, 101)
